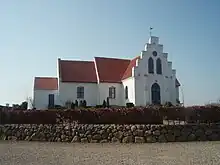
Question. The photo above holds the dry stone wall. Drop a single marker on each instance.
(110, 133)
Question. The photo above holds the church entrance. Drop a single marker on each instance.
(155, 94)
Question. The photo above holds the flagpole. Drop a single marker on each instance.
(151, 31)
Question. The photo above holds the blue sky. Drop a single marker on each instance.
(33, 34)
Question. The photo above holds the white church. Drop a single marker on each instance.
(146, 79)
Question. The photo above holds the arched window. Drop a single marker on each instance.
(126, 92)
(80, 92)
(112, 92)
(159, 66)
(150, 65)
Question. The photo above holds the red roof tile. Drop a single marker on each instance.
(77, 71)
(128, 72)
(110, 69)
(45, 83)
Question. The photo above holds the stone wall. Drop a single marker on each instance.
(110, 133)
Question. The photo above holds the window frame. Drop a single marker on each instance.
(150, 65)
(80, 92)
(126, 92)
(158, 66)
(112, 92)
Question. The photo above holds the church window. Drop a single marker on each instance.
(126, 92)
(150, 65)
(80, 92)
(159, 66)
(112, 92)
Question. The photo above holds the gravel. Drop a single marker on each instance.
(35, 153)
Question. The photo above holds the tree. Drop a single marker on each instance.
(31, 103)
(107, 103)
(81, 103)
(76, 103)
(24, 105)
(84, 103)
(104, 103)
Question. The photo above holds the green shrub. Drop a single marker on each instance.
(129, 105)
(104, 103)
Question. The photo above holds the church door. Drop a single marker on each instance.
(155, 94)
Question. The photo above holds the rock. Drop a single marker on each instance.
(202, 138)
(97, 137)
(140, 133)
(133, 128)
(199, 132)
(191, 137)
(119, 134)
(139, 139)
(127, 133)
(75, 139)
(149, 132)
(163, 130)
(176, 132)
(170, 137)
(127, 139)
(181, 138)
(84, 140)
(104, 135)
(214, 137)
(156, 133)
(151, 139)
(140, 127)
(115, 140)
(13, 138)
(208, 132)
(63, 137)
(104, 141)
(162, 138)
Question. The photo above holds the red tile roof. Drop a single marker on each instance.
(128, 72)
(77, 71)
(110, 69)
(45, 83)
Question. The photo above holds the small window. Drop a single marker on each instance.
(126, 92)
(150, 65)
(159, 66)
(80, 92)
(112, 93)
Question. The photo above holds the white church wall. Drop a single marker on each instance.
(68, 92)
(41, 98)
(104, 93)
(145, 80)
(129, 82)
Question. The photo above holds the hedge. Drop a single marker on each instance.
(134, 115)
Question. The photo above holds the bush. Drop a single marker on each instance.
(104, 103)
(99, 106)
(76, 103)
(134, 115)
(72, 106)
(107, 102)
(81, 103)
(84, 103)
(129, 105)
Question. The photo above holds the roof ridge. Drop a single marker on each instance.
(114, 58)
(76, 60)
(45, 77)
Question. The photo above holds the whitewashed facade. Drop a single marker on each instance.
(146, 79)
